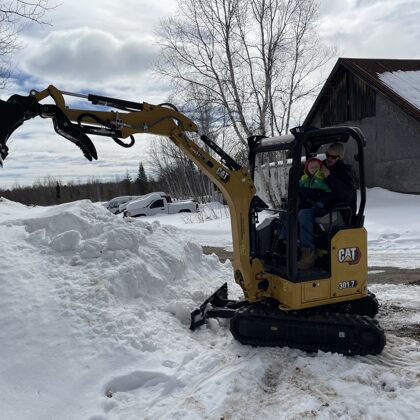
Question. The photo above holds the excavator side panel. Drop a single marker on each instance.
(348, 280)
(349, 269)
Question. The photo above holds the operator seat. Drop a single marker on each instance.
(339, 217)
(331, 221)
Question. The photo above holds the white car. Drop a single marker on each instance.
(158, 203)
(114, 205)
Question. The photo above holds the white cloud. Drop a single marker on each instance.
(103, 46)
(89, 56)
(107, 47)
(373, 28)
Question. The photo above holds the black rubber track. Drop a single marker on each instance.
(263, 324)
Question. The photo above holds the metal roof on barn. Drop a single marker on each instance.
(370, 71)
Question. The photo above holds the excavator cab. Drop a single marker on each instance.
(278, 163)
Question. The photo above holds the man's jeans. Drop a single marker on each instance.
(306, 218)
(306, 221)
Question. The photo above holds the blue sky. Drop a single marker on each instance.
(108, 47)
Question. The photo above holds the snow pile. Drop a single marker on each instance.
(94, 315)
(146, 266)
(393, 226)
(79, 283)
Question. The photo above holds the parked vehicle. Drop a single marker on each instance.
(156, 203)
(114, 205)
(123, 206)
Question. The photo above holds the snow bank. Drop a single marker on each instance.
(148, 265)
(94, 315)
(77, 275)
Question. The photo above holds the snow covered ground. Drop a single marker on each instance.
(94, 315)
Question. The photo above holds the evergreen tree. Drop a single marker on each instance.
(142, 182)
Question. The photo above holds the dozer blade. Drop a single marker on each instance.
(216, 306)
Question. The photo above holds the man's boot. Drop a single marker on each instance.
(307, 259)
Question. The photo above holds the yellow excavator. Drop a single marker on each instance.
(327, 307)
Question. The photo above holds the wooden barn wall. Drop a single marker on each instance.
(362, 103)
(348, 99)
(333, 107)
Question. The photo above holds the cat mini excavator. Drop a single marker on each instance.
(325, 308)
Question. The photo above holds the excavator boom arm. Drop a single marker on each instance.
(76, 124)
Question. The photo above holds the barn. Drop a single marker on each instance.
(382, 98)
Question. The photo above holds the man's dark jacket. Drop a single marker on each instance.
(344, 184)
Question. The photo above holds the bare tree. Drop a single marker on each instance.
(253, 59)
(14, 16)
(180, 175)
(176, 172)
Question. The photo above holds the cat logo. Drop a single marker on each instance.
(349, 255)
(222, 174)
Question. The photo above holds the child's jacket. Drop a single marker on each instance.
(314, 193)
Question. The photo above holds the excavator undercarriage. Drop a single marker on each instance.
(347, 328)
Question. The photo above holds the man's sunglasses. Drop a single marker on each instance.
(332, 156)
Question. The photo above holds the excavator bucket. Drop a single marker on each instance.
(72, 132)
(12, 116)
(20, 108)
